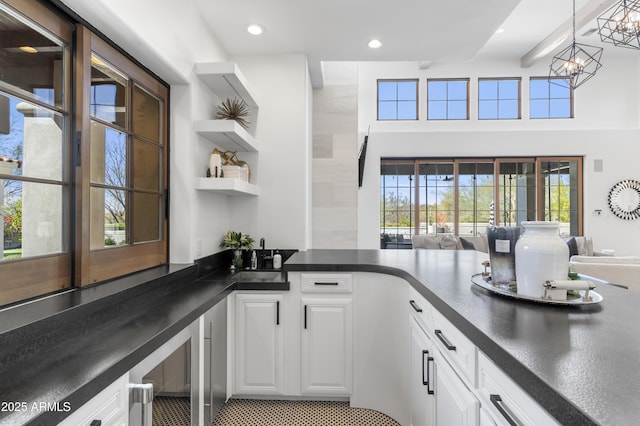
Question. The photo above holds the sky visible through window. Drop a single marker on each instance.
(447, 99)
(498, 99)
(398, 100)
(550, 98)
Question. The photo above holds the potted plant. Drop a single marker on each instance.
(237, 241)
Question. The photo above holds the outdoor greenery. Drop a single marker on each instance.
(474, 203)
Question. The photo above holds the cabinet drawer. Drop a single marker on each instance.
(456, 348)
(110, 407)
(327, 283)
(420, 309)
(505, 400)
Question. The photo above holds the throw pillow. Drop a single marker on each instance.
(448, 242)
(426, 242)
(467, 245)
(573, 247)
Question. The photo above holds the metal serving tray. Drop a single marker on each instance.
(574, 297)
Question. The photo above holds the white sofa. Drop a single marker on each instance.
(450, 242)
(623, 270)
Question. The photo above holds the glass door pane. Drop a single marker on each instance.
(560, 199)
(475, 197)
(397, 201)
(516, 192)
(437, 194)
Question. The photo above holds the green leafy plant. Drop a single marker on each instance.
(237, 240)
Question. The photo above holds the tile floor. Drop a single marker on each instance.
(253, 412)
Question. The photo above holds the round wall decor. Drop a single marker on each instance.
(624, 199)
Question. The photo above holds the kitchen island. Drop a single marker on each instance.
(579, 363)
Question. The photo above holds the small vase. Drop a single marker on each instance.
(541, 255)
(502, 241)
(237, 259)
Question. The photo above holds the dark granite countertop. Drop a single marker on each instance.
(579, 362)
(67, 347)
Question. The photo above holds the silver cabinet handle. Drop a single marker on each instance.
(497, 402)
(415, 306)
(143, 393)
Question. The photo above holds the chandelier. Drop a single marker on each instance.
(577, 62)
(620, 24)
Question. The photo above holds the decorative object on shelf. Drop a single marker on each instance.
(215, 164)
(624, 199)
(235, 172)
(245, 169)
(237, 241)
(230, 166)
(502, 243)
(620, 24)
(541, 256)
(578, 62)
(233, 109)
(229, 157)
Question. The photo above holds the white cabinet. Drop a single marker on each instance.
(423, 408)
(227, 81)
(439, 395)
(455, 403)
(110, 407)
(505, 401)
(326, 333)
(326, 346)
(259, 343)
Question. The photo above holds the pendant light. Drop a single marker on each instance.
(620, 24)
(577, 62)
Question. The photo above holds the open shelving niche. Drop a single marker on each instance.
(227, 81)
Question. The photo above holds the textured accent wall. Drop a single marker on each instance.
(335, 172)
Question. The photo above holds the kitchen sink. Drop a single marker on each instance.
(261, 280)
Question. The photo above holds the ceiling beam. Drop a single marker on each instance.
(587, 13)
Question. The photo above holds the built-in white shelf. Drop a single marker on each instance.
(227, 134)
(228, 186)
(227, 81)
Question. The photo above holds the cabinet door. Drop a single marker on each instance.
(455, 403)
(422, 383)
(110, 407)
(259, 363)
(326, 361)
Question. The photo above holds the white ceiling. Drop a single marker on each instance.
(410, 30)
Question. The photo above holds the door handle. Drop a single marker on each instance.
(143, 393)
(305, 317)
(429, 390)
(444, 340)
(425, 382)
(277, 312)
(496, 400)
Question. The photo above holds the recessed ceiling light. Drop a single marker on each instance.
(28, 49)
(499, 30)
(255, 29)
(375, 44)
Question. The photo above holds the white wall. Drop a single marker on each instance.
(282, 167)
(605, 127)
(281, 214)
